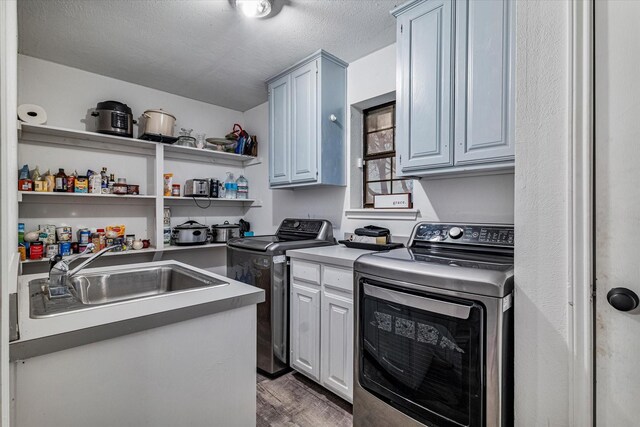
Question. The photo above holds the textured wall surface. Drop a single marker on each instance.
(541, 204)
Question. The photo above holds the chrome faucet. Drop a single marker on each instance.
(60, 274)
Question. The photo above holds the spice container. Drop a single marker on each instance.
(175, 190)
(120, 187)
(35, 250)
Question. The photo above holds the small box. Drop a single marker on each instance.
(392, 201)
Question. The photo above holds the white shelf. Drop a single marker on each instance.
(129, 252)
(185, 248)
(215, 202)
(52, 135)
(383, 214)
(178, 152)
(44, 197)
(141, 251)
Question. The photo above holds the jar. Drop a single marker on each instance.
(71, 182)
(119, 243)
(60, 181)
(175, 190)
(23, 252)
(84, 236)
(40, 185)
(120, 189)
(133, 189)
(95, 239)
(129, 240)
(25, 185)
(35, 250)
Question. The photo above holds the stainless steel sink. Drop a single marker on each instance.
(95, 289)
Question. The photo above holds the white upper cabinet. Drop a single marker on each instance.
(307, 123)
(455, 87)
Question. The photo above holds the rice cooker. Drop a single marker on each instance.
(114, 118)
(189, 233)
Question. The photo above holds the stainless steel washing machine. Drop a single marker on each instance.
(434, 329)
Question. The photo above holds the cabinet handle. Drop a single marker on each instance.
(333, 118)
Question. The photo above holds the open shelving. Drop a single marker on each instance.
(141, 162)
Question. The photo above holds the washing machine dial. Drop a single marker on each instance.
(455, 232)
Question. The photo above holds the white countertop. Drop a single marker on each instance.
(232, 295)
(336, 255)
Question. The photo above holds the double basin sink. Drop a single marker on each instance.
(107, 288)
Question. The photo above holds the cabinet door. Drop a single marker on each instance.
(304, 122)
(484, 82)
(305, 330)
(424, 118)
(279, 131)
(337, 344)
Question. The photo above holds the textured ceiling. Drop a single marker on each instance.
(204, 49)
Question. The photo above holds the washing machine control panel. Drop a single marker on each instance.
(469, 234)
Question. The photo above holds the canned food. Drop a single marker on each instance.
(119, 242)
(35, 250)
(84, 236)
(65, 248)
(64, 233)
(52, 250)
(23, 252)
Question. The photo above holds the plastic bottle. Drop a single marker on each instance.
(230, 187)
(242, 187)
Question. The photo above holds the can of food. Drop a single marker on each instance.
(35, 250)
(23, 252)
(84, 236)
(119, 242)
(65, 248)
(52, 250)
(64, 233)
(175, 190)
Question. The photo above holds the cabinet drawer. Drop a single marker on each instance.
(305, 271)
(336, 277)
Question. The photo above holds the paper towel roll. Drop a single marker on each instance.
(33, 114)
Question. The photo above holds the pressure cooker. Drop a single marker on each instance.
(223, 232)
(189, 233)
(114, 118)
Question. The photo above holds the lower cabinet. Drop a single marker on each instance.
(322, 326)
(305, 337)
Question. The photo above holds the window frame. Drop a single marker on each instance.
(377, 156)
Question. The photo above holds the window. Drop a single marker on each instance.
(380, 154)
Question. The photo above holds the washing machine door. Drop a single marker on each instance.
(423, 354)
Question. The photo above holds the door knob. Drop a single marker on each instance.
(623, 299)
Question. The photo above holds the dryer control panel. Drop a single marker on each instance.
(464, 234)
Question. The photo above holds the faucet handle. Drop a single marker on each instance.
(54, 260)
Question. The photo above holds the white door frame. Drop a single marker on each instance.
(8, 188)
(581, 215)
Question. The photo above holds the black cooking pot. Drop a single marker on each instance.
(114, 118)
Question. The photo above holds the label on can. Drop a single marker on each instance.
(52, 250)
(65, 248)
(85, 236)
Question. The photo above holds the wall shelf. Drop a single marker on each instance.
(47, 197)
(177, 152)
(215, 202)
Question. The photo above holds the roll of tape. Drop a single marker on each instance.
(33, 114)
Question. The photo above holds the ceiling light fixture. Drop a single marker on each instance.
(254, 8)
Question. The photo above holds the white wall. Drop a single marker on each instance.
(473, 199)
(67, 94)
(542, 382)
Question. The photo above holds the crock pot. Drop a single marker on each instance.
(223, 232)
(113, 118)
(158, 122)
(190, 233)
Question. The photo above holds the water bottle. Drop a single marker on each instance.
(230, 187)
(243, 187)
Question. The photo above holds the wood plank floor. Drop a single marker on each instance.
(292, 400)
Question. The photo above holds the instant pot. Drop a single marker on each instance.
(114, 118)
